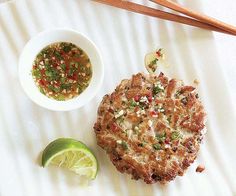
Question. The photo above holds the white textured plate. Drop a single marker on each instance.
(123, 38)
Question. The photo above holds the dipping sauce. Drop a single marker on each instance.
(62, 71)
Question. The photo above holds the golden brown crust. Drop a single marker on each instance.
(151, 127)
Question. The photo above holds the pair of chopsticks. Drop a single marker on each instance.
(192, 18)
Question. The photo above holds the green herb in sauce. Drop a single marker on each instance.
(62, 71)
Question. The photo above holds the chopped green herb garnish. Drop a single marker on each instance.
(58, 55)
(52, 88)
(56, 90)
(169, 119)
(153, 65)
(153, 62)
(81, 51)
(161, 136)
(88, 72)
(70, 72)
(41, 90)
(141, 144)
(63, 66)
(156, 146)
(176, 135)
(48, 73)
(77, 55)
(67, 48)
(39, 57)
(162, 110)
(157, 89)
(61, 97)
(63, 80)
(55, 75)
(46, 65)
(123, 144)
(80, 89)
(76, 64)
(65, 86)
(120, 120)
(178, 93)
(133, 103)
(36, 73)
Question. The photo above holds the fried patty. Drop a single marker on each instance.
(151, 127)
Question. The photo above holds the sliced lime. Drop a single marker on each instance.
(71, 154)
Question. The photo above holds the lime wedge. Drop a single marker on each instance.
(71, 154)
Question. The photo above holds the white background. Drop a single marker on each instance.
(25, 128)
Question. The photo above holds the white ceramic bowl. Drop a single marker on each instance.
(45, 38)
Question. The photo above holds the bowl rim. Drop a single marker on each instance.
(24, 69)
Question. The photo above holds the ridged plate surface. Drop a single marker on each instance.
(123, 38)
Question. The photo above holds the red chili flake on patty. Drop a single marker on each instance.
(149, 97)
(153, 113)
(111, 110)
(136, 109)
(136, 98)
(157, 101)
(114, 127)
(167, 141)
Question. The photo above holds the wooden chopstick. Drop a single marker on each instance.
(134, 7)
(199, 16)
